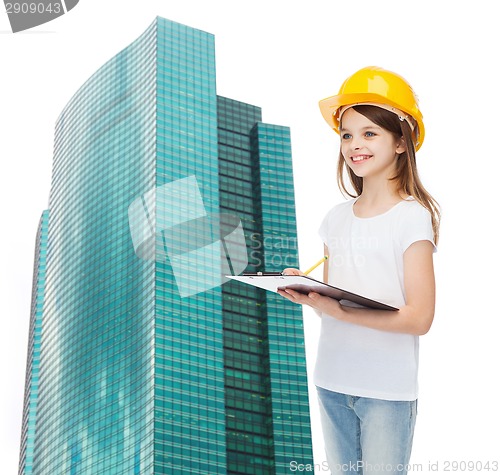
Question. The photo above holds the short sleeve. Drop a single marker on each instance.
(416, 225)
(323, 229)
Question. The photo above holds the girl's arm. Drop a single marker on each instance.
(414, 318)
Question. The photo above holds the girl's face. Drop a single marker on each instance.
(368, 149)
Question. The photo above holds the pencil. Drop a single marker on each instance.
(323, 259)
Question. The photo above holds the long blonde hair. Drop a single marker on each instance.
(407, 179)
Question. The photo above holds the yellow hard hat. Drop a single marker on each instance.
(376, 86)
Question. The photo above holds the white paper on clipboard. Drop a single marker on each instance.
(305, 284)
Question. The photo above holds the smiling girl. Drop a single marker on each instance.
(380, 244)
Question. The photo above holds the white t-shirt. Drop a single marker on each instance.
(366, 257)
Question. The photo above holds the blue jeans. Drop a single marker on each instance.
(366, 436)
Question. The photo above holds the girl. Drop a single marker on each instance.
(380, 244)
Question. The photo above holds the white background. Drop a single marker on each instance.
(284, 56)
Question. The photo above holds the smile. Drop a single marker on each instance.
(360, 158)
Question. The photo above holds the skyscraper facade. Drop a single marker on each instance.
(149, 362)
(34, 343)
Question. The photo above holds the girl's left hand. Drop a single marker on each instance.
(317, 301)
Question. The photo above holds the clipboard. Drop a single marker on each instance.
(304, 284)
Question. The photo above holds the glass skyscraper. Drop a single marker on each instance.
(34, 343)
(143, 359)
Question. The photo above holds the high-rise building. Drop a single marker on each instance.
(34, 343)
(148, 361)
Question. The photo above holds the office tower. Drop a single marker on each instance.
(34, 340)
(150, 363)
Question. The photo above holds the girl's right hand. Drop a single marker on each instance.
(292, 271)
